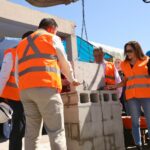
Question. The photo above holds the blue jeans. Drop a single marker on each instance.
(135, 112)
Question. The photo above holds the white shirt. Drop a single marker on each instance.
(65, 65)
(5, 71)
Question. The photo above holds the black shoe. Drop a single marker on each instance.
(139, 147)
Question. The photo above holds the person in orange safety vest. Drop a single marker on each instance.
(111, 73)
(10, 94)
(137, 81)
(41, 59)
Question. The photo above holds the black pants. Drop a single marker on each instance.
(18, 125)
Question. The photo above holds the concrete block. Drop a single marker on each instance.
(90, 130)
(109, 96)
(99, 143)
(96, 113)
(85, 113)
(75, 114)
(91, 73)
(71, 114)
(79, 145)
(67, 130)
(72, 144)
(70, 98)
(109, 142)
(105, 97)
(119, 139)
(74, 129)
(106, 111)
(117, 125)
(116, 111)
(84, 97)
(94, 97)
(120, 148)
(88, 145)
(108, 127)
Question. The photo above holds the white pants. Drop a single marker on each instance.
(43, 104)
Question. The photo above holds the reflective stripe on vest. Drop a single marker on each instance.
(47, 56)
(138, 86)
(11, 84)
(110, 77)
(14, 85)
(38, 69)
(47, 64)
(138, 77)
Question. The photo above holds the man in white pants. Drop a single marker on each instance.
(41, 56)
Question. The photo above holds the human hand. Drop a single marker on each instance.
(76, 83)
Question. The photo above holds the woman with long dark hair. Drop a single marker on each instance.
(137, 81)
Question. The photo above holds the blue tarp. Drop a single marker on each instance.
(148, 53)
(6, 43)
(85, 49)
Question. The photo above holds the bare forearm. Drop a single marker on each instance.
(121, 84)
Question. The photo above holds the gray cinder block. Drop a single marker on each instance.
(94, 97)
(99, 143)
(90, 130)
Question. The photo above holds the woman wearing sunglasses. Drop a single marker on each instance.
(137, 81)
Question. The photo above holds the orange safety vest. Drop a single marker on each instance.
(138, 79)
(37, 62)
(110, 74)
(11, 90)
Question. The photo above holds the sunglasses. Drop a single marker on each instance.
(129, 51)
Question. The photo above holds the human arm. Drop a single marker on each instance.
(6, 68)
(118, 80)
(65, 65)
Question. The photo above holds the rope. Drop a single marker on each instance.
(83, 29)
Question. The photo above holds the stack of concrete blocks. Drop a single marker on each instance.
(93, 120)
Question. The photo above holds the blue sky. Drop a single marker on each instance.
(110, 22)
